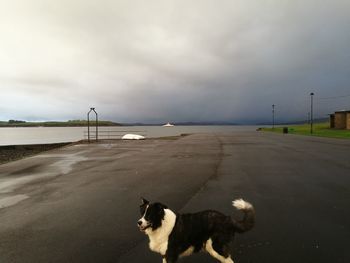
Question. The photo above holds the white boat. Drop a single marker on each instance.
(130, 136)
(168, 125)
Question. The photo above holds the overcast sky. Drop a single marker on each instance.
(180, 60)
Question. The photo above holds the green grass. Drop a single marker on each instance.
(319, 129)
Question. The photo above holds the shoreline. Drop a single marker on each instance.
(9, 153)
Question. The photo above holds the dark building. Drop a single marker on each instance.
(340, 120)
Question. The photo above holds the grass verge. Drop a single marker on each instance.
(319, 129)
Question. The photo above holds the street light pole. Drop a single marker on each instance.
(273, 116)
(312, 112)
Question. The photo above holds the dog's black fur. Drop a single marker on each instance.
(195, 229)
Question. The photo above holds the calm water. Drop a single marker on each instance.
(39, 135)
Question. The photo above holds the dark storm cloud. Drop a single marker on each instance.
(173, 60)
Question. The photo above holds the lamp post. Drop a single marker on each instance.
(273, 116)
(311, 112)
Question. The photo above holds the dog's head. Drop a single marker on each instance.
(151, 215)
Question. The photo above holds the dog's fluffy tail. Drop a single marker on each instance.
(248, 220)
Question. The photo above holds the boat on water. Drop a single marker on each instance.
(168, 125)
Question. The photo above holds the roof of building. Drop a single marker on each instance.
(343, 111)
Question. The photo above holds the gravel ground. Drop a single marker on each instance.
(15, 152)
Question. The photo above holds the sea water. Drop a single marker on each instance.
(43, 135)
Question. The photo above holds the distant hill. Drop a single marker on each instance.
(208, 123)
(181, 123)
(70, 123)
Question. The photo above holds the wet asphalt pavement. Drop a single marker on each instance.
(80, 203)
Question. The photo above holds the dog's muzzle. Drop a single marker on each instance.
(141, 227)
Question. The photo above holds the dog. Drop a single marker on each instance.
(175, 235)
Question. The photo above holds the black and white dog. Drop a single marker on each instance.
(175, 235)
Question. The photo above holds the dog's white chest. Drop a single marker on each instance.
(158, 239)
(159, 246)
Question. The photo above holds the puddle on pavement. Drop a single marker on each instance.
(62, 166)
(11, 200)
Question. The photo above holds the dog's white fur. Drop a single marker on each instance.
(187, 252)
(209, 248)
(158, 239)
(240, 204)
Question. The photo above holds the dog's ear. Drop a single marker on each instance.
(160, 206)
(144, 202)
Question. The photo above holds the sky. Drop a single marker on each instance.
(157, 60)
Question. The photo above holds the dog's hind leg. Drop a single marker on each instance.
(209, 247)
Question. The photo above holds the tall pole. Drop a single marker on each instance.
(312, 112)
(273, 116)
(96, 123)
(88, 123)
